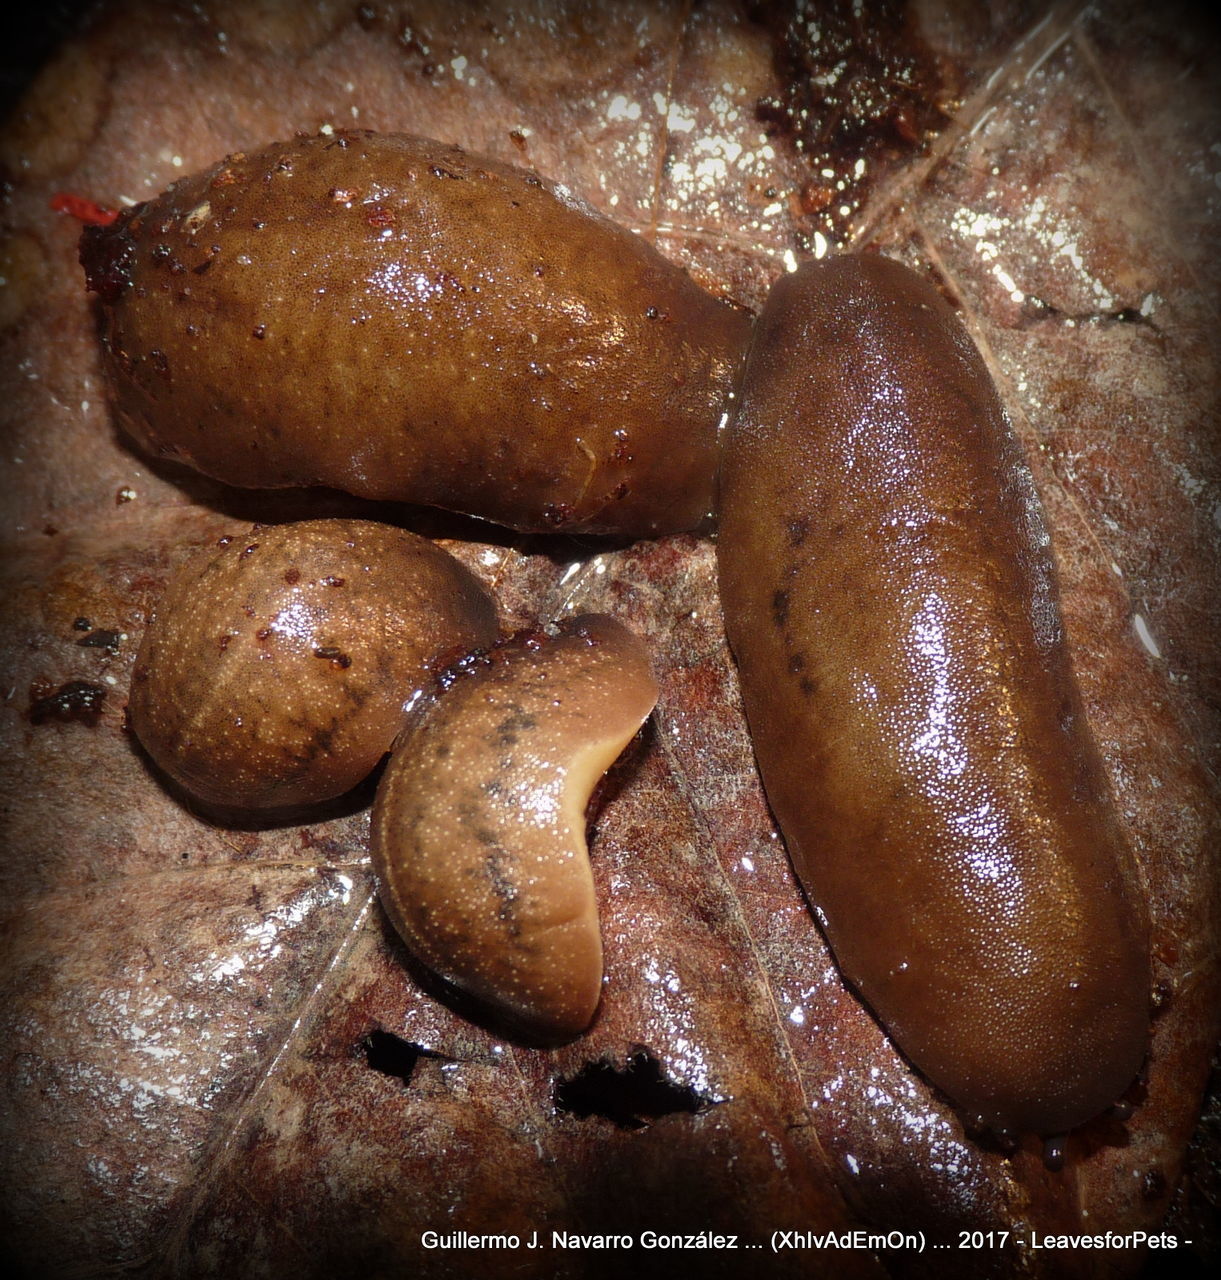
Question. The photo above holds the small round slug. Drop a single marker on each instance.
(890, 597)
(399, 319)
(478, 833)
(277, 667)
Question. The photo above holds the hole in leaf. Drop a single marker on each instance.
(631, 1097)
(393, 1056)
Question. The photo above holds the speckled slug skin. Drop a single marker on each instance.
(402, 320)
(890, 597)
(478, 831)
(277, 664)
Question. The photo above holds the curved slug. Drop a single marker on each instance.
(478, 832)
(277, 666)
(399, 319)
(890, 596)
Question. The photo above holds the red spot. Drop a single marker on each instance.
(904, 124)
(86, 211)
(814, 197)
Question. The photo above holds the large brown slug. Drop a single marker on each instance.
(401, 320)
(278, 665)
(890, 596)
(478, 832)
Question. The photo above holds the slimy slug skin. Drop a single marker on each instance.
(401, 320)
(277, 665)
(478, 830)
(890, 596)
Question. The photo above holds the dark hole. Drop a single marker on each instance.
(109, 640)
(77, 700)
(394, 1056)
(630, 1097)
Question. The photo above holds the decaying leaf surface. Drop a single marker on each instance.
(219, 1061)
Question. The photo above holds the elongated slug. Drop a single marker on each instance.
(890, 597)
(401, 320)
(478, 834)
(277, 666)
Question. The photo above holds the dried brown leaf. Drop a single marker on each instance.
(219, 1059)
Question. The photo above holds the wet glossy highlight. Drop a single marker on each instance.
(890, 596)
